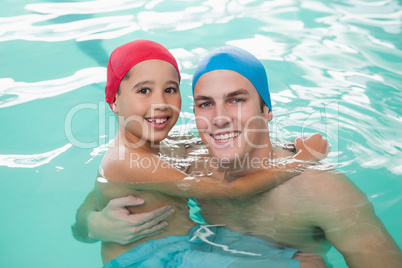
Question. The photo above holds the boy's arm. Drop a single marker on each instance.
(156, 175)
(115, 223)
(352, 226)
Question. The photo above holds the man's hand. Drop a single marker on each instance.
(313, 148)
(309, 260)
(115, 223)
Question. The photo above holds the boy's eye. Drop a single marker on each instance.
(144, 90)
(171, 90)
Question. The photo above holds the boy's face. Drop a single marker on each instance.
(229, 116)
(149, 101)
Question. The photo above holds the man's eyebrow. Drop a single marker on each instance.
(230, 95)
(237, 92)
(199, 98)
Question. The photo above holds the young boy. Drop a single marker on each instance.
(143, 91)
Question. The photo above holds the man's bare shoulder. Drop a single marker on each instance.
(326, 194)
(326, 184)
(320, 178)
(320, 183)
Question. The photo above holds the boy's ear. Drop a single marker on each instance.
(114, 107)
(267, 113)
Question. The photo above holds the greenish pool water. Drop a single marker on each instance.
(333, 66)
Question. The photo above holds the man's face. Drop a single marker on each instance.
(229, 116)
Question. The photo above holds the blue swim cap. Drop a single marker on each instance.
(240, 61)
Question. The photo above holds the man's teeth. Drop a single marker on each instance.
(227, 136)
(158, 120)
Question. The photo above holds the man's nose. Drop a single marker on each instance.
(222, 121)
(221, 118)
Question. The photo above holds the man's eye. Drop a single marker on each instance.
(204, 105)
(144, 91)
(237, 100)
(171, 90)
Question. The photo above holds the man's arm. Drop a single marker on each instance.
(115, 223)
(80, 227)
(352, 227)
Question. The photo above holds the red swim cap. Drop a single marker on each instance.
(126, 56)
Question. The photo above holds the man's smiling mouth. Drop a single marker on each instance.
(225, 137)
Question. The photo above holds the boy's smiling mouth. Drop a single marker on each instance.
(158, 122)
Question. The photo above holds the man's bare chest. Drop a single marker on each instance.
(279, 220)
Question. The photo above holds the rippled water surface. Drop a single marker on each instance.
(333, 66)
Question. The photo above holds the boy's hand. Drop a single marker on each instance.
(115, 223)
(313, 148)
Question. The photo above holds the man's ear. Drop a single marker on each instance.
(267, 113)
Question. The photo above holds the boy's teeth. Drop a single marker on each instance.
(158, 120)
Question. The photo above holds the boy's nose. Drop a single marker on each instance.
(160, 106)
(160, 102)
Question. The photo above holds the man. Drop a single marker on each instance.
(310, 212)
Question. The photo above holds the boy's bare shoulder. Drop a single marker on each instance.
(122, 163)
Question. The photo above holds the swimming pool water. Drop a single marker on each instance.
(333, 66)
